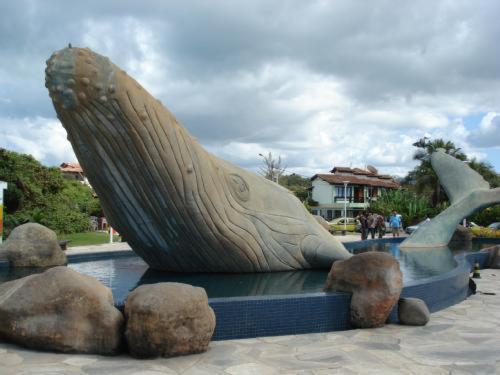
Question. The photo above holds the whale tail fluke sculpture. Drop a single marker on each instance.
(180, 207)
(468, 192)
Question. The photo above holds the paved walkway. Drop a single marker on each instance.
(463, 339)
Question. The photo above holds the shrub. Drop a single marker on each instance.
(42, 195)
(485, 232)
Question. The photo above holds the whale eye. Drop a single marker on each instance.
(239, 188)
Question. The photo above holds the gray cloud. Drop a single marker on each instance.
(488, 134)
(318, 82)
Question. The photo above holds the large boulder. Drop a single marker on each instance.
(413, 312)
(168, 319)
(60, 310)
(33, 245)
(375, 281)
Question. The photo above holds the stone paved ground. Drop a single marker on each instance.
(463, 339)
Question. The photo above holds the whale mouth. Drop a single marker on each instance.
(76, 75)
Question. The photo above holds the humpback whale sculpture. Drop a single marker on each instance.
(468, 192)
(179, 207)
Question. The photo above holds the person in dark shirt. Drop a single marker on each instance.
(364, 226)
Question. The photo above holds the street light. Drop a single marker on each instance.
(345, 205)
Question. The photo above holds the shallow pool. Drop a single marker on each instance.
(123, 274)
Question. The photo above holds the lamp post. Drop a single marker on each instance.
(345, 205)
(3, 186)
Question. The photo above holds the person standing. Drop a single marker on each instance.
(371, 224)
(364, 226)
(380, 226)
(395, 222)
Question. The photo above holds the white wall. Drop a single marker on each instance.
(322, 192)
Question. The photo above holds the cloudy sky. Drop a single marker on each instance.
(321, 83)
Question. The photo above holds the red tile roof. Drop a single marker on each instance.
(354, 180)
(71, 167)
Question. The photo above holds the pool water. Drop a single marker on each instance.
(125, 273)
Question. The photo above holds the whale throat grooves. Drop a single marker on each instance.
(178, 206)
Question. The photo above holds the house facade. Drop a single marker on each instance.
(353, 188)
(74, 171)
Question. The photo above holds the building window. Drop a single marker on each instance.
(329, 214)
(339, 191)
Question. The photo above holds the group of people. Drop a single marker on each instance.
(372, 224)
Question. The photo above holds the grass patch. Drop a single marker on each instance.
(88, 238)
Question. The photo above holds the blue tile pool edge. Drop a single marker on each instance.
(273, 315)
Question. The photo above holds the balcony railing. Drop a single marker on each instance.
(340, 199)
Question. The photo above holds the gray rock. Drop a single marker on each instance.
(33, 245)
(168, 319)
(413, 312)
(375, 281)
(60, 310)
(493, 257)
(462, 234)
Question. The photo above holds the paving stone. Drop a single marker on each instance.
(80, 361)
(452, 342)
(10, 359)
(251, 369)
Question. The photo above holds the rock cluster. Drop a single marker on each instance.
(60, 310)
(64, 311)
(375, 281)
(168, 319)
(413, 312)
(33, 245)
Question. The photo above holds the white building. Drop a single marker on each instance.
(363, 186)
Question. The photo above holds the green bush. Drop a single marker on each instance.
(411, 207)
(485, 232)
(40, 194)
(487, 216)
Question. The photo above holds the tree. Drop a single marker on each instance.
(273, 168)
(41, 194)
(298, 185)
(412, 207)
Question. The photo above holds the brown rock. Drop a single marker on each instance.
(168, 319)
(462, 234)
(375, 281)
(60, 310)
(33, 245)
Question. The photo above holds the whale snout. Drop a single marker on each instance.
(76, 75)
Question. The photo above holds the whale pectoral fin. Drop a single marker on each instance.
(321, 252)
